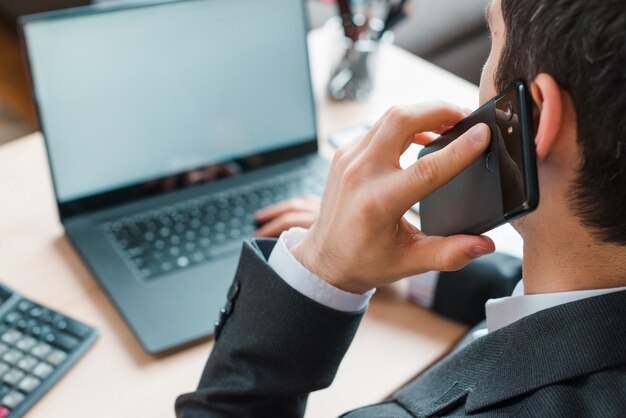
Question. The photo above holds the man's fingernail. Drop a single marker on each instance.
(480, 251)
(479, 133)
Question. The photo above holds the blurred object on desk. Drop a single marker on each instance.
(451, 34)
(365, 26)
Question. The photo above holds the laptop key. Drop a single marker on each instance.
(182, 261)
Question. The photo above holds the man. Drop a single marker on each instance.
(557, 349)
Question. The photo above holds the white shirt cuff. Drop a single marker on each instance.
(298, 277)
(422, 288)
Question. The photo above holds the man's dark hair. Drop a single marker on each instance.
(582, 44)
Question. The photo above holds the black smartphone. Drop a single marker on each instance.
(498, 187)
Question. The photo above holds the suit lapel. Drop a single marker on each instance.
(557, 344)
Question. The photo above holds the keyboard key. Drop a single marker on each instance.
(62, 340)
(21, 324)
(78, 329)
(198, 257)
(12, 377)
(36, 312)
(3, 348)
(27, 363)
(57, 357)
(28, 384)
(41, 350)
(12, 317)
(60, 323)
(4, 368)
(26, 343)
(46, 316)
(24, 305)
(43, 370)
(182, 261)
(12, 356)
(31, 322)
(11, 336)
(135, 251)
(35, 331)
(12, 400)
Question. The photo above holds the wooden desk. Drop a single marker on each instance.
(116, 379)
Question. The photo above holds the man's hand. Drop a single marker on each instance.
(300, 211)
(361, 239)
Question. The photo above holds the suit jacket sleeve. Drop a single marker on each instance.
(273, 347)
(461, 295)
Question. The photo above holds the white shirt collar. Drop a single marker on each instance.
(504, 311)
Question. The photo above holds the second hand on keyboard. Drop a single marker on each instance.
(194, 231)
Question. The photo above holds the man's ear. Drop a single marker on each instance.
(546, 95)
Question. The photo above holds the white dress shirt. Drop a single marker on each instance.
(291, 271)
(504, 311)
(500, 312)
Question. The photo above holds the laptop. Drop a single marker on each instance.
(167, 126)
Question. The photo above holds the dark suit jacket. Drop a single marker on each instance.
(275, 346)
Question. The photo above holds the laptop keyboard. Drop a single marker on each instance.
(198, 230)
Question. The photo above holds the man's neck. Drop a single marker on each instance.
(566, 257)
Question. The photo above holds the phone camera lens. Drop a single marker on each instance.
(509, 111)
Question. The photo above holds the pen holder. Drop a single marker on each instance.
(352, 77)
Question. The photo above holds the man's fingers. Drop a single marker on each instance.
(449, 253)
(281, 208)
(284, 222)
(433, 171)
(403, 122)
(271, 212)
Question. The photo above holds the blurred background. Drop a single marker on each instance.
(449, 33)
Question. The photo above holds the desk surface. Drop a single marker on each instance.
(396, 341)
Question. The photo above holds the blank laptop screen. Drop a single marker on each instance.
(130, 95)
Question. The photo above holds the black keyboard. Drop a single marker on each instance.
(195, 231)
(37, 347)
